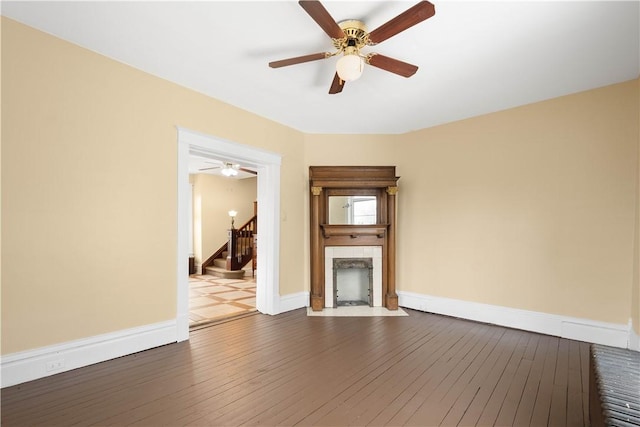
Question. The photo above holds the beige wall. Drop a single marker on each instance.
(89, 155)
(530, 208)
(213, 198)
(0, 178)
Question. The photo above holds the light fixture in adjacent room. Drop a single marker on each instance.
(230, 169)
(232, 214)
(350, 66)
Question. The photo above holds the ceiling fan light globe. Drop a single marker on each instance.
(350, 67)
(229, 172)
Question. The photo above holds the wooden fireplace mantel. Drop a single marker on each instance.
(354, 231)
(378, 181)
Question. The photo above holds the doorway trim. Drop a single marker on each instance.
(268, 166)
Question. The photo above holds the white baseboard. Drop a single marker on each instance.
(634, 340)
(29, 365)
(293, 301)
(612, 334)
(17, 368)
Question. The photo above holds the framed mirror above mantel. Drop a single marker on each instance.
(353, 206)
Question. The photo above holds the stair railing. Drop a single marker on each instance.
(240, 244)
(251, 225)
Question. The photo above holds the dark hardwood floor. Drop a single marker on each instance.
(290, 369)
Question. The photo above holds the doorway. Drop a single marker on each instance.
(215, 293)
(268, 189)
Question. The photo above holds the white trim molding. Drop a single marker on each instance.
(634, 338)
(30, 365)
(293, 301)
(612, 334)
(267, 164)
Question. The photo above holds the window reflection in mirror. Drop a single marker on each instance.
(352, 210)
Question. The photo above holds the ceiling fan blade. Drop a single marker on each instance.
(410, 17)
(248, 171)
(206, 169)
(316, 10)
(337, 85)
(299, 60)
(393, 65)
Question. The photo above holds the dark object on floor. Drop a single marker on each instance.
(614, 386)
(351, 303)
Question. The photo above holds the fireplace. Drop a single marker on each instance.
(353, 215)
(357, 267)
(352, 282)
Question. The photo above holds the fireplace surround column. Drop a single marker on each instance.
(317, 274)
(392, 297)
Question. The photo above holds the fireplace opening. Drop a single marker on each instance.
(352, 282)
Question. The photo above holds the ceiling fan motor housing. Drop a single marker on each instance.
(356, 35)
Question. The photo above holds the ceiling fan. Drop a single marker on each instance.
(350, 36)
(230, 169)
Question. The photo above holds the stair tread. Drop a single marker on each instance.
(219, 268)
(223, 272)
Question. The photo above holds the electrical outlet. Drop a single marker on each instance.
(55, 365)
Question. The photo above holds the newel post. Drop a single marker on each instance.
(317, 258)
(392, 297)
(232, 249)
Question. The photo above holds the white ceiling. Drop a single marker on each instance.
(474, 57)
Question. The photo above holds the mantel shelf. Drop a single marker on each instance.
(353, 231)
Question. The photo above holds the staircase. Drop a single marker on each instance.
(227, 262)
(219, 269)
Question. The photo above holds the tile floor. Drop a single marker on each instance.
(214, 298)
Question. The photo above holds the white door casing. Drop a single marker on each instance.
(268, 166)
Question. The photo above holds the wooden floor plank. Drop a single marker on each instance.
(499, 394)
(512, 399)
(415, 396)
(163, 384)
(473, 361)
(291, 369)
(458, 373)
(286, 386)
(575, 415)
(558, 410)
(112, 374)
(542, 407)
(584, 377)
(406, 368)
(478, 369)
(336, 406)
(505, 348)
(252, 372)
(438, 329)
(467, 350)
(528, 397)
